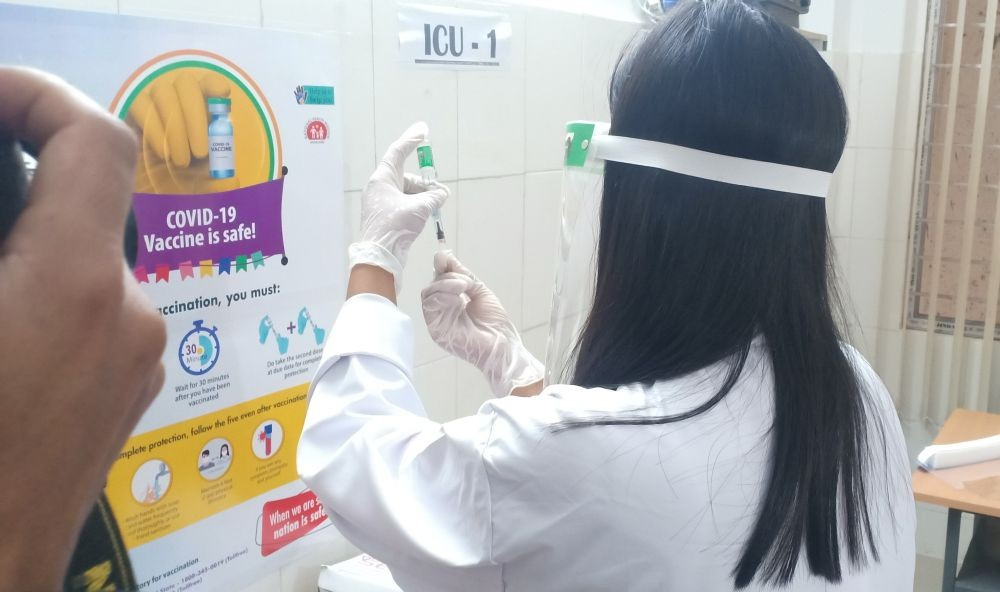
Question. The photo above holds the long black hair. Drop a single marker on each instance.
(690, 272)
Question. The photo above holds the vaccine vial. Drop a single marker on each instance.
(221, 160)
(425, 160)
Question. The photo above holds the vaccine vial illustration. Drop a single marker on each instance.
(221, 159)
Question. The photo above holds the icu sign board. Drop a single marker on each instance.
(453, 38)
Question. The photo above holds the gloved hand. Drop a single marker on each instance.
(172, 117)
(466, 319)
(394, 208)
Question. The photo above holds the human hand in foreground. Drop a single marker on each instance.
(80, 361)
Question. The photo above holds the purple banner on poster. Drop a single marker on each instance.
(174, 229)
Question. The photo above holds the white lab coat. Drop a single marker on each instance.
(499, 501)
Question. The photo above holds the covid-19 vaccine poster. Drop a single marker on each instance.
(239, 244)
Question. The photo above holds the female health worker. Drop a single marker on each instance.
(716, 433)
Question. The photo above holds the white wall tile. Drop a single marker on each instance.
(866, 340)
(405, 94)
(542, 204)
(603, 42)
(554, 87)
(915, 30)
(436, 384)
(536, 341)
(621, 10)
(491, 114)
(228, 12)
(908, 101)
(872, 178)
(820, 19)
(306, 15)
(419, 272)
(865, 278)
(884, 24)
(888, 361)
(848, 69)
(89, 5)
(849, 25)
(842, 261)
(894, 276)
(842, 195)
(471, 390)
(491, 236)
(901, 195)
(877, 101)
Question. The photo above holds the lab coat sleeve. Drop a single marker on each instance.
(398, 485)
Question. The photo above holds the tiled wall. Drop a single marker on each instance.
(497, 142)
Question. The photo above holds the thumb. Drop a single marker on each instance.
(390, 169)
(447, 262)
(451, 284)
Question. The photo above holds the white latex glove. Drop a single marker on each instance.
(394, 208)
(466, 319)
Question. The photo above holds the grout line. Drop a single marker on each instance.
(505, 176)
(371, 20)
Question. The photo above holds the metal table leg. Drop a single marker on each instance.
(951, 550)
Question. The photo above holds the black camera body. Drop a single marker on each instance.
(14, 184)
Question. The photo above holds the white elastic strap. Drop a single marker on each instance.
(711, 166)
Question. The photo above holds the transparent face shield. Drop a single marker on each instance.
(588, 146)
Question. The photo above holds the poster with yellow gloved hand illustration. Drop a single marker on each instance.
(238, 241)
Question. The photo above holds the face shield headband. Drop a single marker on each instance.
(588, 147)
(586, 137)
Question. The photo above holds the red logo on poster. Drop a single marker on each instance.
(289, 519)
(317, 130)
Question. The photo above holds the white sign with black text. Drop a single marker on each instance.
(453, 38)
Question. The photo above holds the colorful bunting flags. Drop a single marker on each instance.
(162, 273)
(206, 267)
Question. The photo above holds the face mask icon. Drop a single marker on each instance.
(306, 320)
(266, 328)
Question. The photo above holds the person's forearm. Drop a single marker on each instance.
(529, 390)
(368, 279)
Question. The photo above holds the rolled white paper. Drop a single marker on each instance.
(944, 456)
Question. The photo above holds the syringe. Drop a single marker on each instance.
(425, 158)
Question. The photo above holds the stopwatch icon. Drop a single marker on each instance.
(199, 350)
